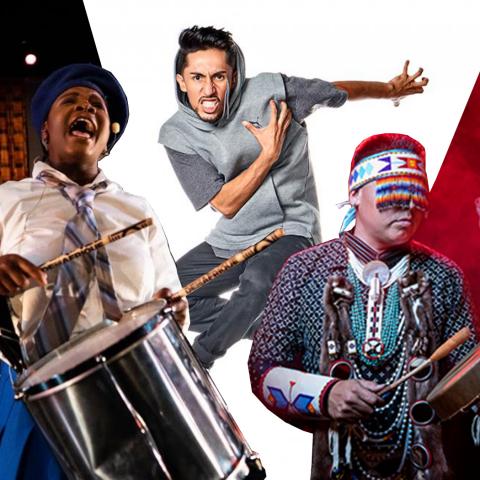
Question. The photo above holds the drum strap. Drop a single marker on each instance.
(74, 278)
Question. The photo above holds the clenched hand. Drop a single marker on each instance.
(272, 136)
(17, 274)
(179, 307)
(350, 400)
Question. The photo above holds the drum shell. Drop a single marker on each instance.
(78, 421)
(459, 388)
(93, 419)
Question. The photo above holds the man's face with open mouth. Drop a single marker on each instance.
(205, 79)
(77, 128)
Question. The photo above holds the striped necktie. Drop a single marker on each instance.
(75, 278)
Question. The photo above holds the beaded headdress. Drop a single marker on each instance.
(397, 164)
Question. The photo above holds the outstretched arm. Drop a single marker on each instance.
(398, 87)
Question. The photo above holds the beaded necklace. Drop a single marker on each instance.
(389, 430)
(388, 320)
(388, 433)
(359, 323)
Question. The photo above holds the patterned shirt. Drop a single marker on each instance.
(292, 324)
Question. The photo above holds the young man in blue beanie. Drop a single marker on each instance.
(80, 111)
(240, 145)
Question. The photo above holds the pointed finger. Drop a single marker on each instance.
(372, 386)
(287, 121)
(283, 112)
(405, 67)
(417, 74)
(362, 408)
(273, 112)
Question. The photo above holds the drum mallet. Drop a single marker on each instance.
(227, 264)
(441, 352)
(96, 244)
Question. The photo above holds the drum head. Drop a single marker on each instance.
(88, 345)
(459, 388)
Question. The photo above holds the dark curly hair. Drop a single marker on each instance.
(202, 38)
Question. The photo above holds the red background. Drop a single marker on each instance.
(452, 226)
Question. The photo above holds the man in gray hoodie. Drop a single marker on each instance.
(240, 144)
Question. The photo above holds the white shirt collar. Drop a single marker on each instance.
(41, 166)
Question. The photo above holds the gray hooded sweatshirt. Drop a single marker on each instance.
(287, 197)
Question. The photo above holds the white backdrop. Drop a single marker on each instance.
(349, 40)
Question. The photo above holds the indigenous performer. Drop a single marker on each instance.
(80, 111)
(240, 145)
(346, 317)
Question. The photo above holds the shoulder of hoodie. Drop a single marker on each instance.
(173, 134)
(266, 81)
(172, 124)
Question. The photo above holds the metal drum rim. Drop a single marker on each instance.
(64, 380)
(241, 467)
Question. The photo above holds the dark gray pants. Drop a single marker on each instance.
(223, 322)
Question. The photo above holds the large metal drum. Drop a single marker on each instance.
(130, 401)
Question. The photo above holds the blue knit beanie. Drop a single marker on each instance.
(81, 75)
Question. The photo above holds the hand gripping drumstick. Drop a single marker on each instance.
(95, 245)
(441, 352)
(227, 264)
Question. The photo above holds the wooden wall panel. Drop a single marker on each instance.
(13, 132)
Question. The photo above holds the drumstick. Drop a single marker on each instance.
(95, 245)
(441, 352)
(227, 264)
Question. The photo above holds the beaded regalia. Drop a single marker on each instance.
(310, 304)
(388, 309)
(341, 310)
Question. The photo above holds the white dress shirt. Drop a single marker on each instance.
(33, 217)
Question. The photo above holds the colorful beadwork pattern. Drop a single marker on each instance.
(301, 403)
(401, 191)
(292, 322)
(391, 321)
(291, 332)
(386, 164)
